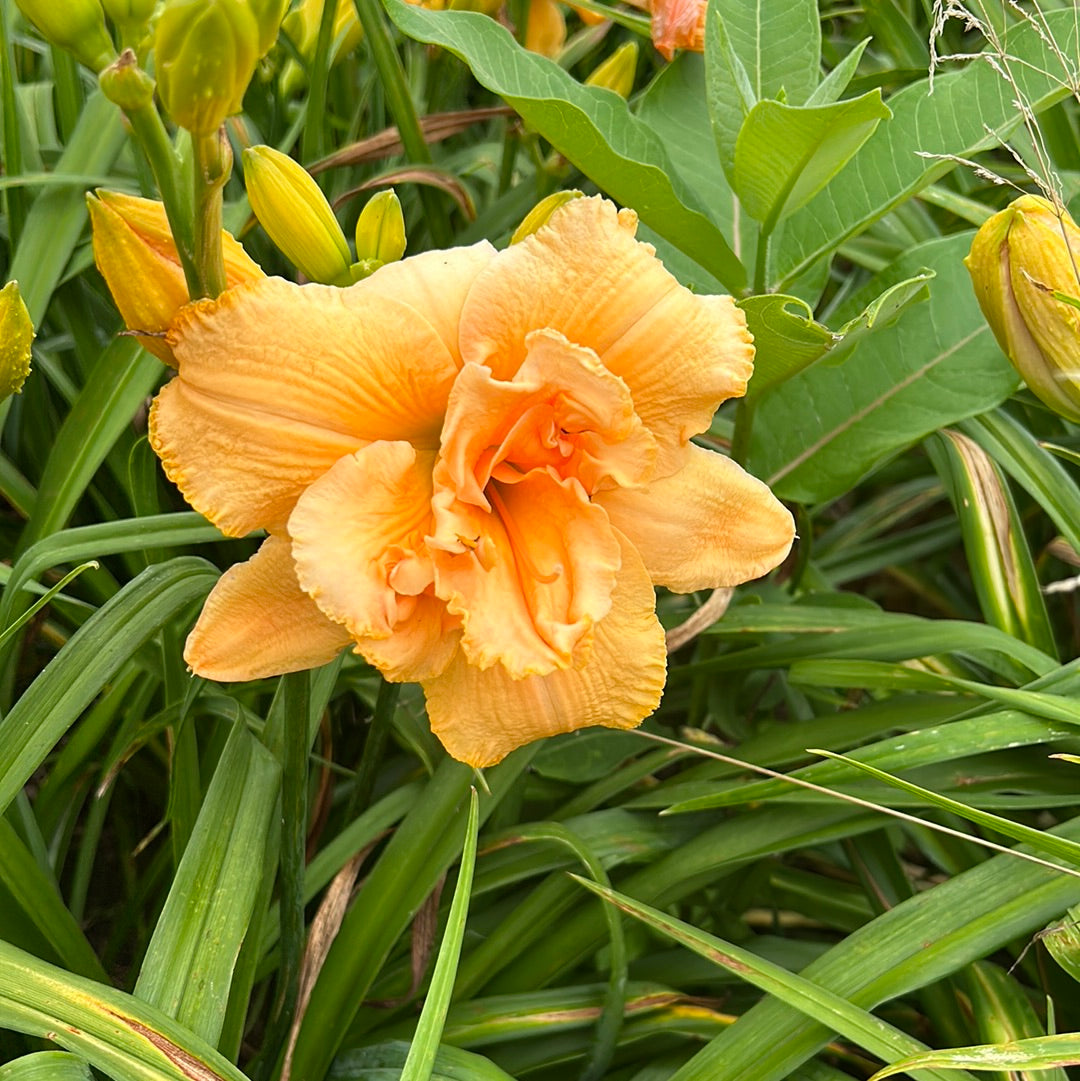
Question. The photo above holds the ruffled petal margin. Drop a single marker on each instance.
(710, 524)
(481, 716)
(257, 622)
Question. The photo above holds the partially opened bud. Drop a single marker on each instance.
(16, 336)
(137, 257)
(76, 26)
(617, 71)
(206, 52)
(539, 215)
(1022, 266)
(296, 216)
(380, 229)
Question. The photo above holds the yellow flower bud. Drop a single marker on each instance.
(77, 26)
(125, 84)
(539, 215)
(137, 257)
(206, 52)
(268, 15)
(1020, 258)
(301, 26)
(16, 334)
(380, 229)
(129, 14)
(296, 215)
(617, 71)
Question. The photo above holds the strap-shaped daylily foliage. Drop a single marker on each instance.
(474, 467)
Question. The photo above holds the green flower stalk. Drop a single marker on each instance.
(76, 26)
(296, 216)
(206, 52)
(16, 336)
(1023, 264)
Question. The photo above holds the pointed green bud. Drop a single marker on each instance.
(16, 335)
(539, 215)
(617, 71)
(380, 229)
(125, 84)
(205, 55)
(1024, 267)
(268, 15)
(76, 26)
(296, 216)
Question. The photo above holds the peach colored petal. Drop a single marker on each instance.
(359, 527)
(434, 285)
(257, 622)
(678, 24)
(332, 368)
(545, 32)
(681, 359)
(421, 646)
(709, 524)
(563, 411)
(481, 716)
(530, 578)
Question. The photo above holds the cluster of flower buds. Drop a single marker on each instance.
(1025, 266)
(296, 216)
(205, 51)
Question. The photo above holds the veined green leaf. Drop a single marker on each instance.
(1038, 1053)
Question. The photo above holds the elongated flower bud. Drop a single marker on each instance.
(541, 213)
(380, 229)
(617, 71)
(296, 216)
(137, 257)
(268, 15)
(16, 336)
(206, 52)
(1022, 266)
(76, 26)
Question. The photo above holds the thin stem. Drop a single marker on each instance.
(313, 142)
(396, 88)
(211, 164)
(744, 427)
(374, 748)
(761, 261)
(149, 131)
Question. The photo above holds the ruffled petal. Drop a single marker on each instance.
(710, 524)
(358, 536)
(422, 645)
(257, 622)
(330, 369)
(481, 716)
(434, 285)
(530, 578)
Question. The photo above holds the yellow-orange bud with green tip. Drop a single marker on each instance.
(1020, 258)
(296, 216)
(540, 213)
(205, 55)
(617, 71)
(380, 229)
(76, 26)
(136, 254)
(16, 337)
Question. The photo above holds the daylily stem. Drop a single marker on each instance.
(312, 144)
(211, 164)
(744, 426)
(396, 88)
(761, 262)
(149, 131)
(374, 748)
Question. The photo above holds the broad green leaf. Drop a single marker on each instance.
(816, 141)
(1038, 1053)
(188, 967)
(836, 82)
(55, 700)
(863, 1028)
(47, 1066)
(824, 429)
(754, 50)
(787, 338)
(591, 127)
(969, 110)
(114, 1032)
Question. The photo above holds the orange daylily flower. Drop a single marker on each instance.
(676, 24)
(473, 467)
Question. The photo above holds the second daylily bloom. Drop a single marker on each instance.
(473, 467)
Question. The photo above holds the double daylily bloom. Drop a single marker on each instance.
(472, 467)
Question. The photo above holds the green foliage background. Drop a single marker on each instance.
(171, 851)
